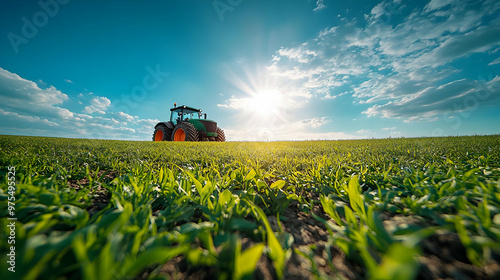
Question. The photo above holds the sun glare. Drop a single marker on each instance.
(263, 102)
(266, 103)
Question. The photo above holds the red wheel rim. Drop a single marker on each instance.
(159, 135)
(180, 135)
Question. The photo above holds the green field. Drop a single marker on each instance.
(425, 208)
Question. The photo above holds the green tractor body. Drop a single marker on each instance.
(186, 124)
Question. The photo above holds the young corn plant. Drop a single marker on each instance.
(360, 234)
(275, 251)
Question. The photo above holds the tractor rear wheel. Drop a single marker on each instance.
(162, 133)
(221, 137)
(185, 132)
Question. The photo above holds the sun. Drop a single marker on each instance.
(263, 104)
(266, 103)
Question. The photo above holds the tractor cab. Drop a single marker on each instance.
(184, 113)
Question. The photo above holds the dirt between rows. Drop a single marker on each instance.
(100, 195)
(305, 230)
(442, 255)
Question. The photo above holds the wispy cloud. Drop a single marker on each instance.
(320, 5)
(404, 69)
(34, 119)
(311, 123)
(496, 61)
(437, 4)
(456, 96)
(236, 103)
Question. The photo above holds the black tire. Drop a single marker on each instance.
(163, 132)
(188, 130)
(221, 137)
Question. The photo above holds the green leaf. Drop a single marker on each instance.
(242, 224)
(198, 256)
(261, 184)
(355, 198)
(82, 257)
(153, 256)
(247, 261)
(250, 175)
(329, 209)
(400, 262)
(276, 252)
(496, 219)
(197, 184)
(49, 199)
(471, 172)
(225, 197)
(472, 254)
(161, 174)
(278, 184)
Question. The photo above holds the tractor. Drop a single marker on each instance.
(186, 124)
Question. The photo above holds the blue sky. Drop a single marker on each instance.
(265, 70)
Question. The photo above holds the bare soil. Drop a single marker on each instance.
(443, 255)
(100, 195)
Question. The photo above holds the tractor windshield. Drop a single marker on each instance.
(183, 115)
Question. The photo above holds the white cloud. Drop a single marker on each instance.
(148, 122)
(363, 131)
(236, 103)
(125, 117)
(496, 61)
(314, 122)
(98, 105)
(302, 55)
(320, 5)
(325, 32)
(428, 104)
(481, 39)
(379, 10)
(27, 109)
(24, 96)
(68, 81)
(84, 116)
(395, 64)
(437, 4)
(108, 121)
(23, 118)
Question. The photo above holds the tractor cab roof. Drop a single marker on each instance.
(185, 109)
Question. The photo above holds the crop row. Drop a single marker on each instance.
(96, 209)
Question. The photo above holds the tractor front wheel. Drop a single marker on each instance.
(162, 133)
(221, 137)
(185, 132)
